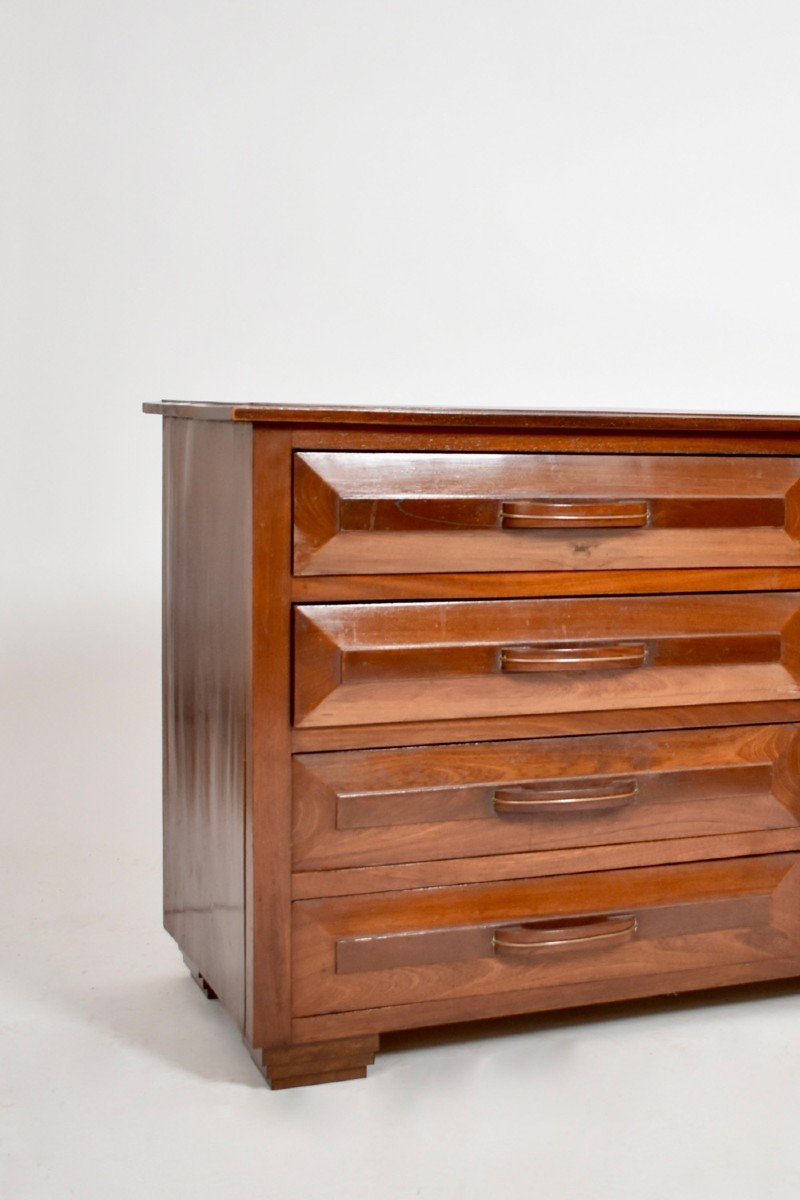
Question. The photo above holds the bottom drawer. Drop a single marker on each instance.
(485, 939)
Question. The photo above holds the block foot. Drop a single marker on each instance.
(316, 1062)
(200, 980)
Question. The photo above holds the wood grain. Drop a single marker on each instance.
(376, 807)
(544, 675)
(677, 443)
(370, 513)
(534, 864)
(445, 1011)
(474, 418)
(492, 585)
(409, 947)
(328, 428)
(319, 1062)
(379, 663)
(269, 815)
(206, 656)
(483, 729)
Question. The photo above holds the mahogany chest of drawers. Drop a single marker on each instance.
(475, 713)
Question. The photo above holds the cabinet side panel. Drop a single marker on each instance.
(269, 826)
(206, 674)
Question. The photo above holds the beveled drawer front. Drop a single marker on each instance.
(371, 513)
(374, 663)
(373, 807)
(479, 940)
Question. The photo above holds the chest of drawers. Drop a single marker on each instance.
(469, 714)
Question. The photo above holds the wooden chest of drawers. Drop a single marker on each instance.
(475, 713)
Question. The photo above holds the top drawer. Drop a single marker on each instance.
(374, 513)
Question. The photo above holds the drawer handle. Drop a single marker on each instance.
(567, 932)
(578, 514)
(541, 801)
(603, 657)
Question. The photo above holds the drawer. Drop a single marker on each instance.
(373, 663)
(481, 940)
(376, 807)
(368, 513)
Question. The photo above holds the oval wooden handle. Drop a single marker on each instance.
(565, 933)
(577, 514)
(534, 799)
(605, 656)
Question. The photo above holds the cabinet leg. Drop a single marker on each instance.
(200, 980)
(316, 1062)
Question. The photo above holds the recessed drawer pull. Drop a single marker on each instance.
(572, 931)
(564, 657)
(575, 514)
(538, 801)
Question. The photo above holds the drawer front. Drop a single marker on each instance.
(359, 664)
(481, 940)
(374, 807)
(366, 513)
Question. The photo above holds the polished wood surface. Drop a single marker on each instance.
(537, 864)
(407, 947)
(310, 589)
(331, 427)
(443, 661)
(206, 652)
(445, 1011)
(477, 418)
(471, 713)
(376, 807)
(489, 729)
(678, 443)
(370, 513)
(267, 878)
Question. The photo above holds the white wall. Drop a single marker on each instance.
(483, 201)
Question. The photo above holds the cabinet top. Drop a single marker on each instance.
(476, 418)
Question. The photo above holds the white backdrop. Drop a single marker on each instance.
(489, 202)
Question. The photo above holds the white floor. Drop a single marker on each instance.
(119, 1079)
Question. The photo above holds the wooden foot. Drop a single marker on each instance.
(316, 1062)
(200, 980)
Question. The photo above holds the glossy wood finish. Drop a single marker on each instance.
(227, 536)
(206, 664)
(553, 440)
(381, 663)
(539, 999)
(537, 864)
(402, 948)
(528, 420)
(383, 513)
(311, 589)
(443, 802)
(269, 796)
(481, 729)
(510, 786)
(495, 429)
